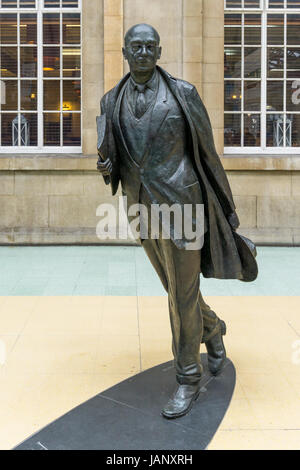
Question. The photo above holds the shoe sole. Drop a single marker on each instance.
(183, 413)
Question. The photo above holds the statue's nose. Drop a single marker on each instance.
(144, 50)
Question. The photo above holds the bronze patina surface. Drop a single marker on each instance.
(158, 144)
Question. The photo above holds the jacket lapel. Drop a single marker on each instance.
(160, 110)
(117, 124)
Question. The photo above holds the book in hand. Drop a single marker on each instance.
(102, 141)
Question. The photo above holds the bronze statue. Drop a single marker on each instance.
(160, 146)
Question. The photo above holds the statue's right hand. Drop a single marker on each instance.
(104, 167)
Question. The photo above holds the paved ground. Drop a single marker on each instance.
(90, 270)
(76, 320)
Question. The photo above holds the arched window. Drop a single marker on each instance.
(40, 75)
(262, 76)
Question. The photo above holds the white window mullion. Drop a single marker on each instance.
(284, 79)
(18, 79)
(61, 80)
(40, 93)
(263, 116)
(242, 79)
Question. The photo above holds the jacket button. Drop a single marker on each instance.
(142, 171)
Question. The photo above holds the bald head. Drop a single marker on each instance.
(138, 29)
(142, 51)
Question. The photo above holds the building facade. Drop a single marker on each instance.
(58, 57)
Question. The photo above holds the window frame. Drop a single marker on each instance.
(264, 10)
(39, 9)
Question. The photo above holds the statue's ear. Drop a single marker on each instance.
(124, 53)
(159, 53)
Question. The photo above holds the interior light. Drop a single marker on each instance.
(71, 52)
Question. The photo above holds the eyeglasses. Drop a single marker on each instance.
(138, 48)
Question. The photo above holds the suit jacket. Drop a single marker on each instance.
(163, 166)
(224, 255)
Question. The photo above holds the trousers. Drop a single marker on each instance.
(192, 320)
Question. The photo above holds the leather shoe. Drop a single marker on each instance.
(182, 401)
(216, 353)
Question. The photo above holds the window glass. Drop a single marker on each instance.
(232, 96)
(9, 129)
(9, 94)
(8, 28)
(251, 130)
(28, 95)
(252, 30)
(52, 129)
(71, 28)
(275, 124)
(9, 61)
(40, 79)
(51, 64)
(275, 95)
(252, 95)
(262, 99)
(232, 130)
(27, 3)
(51, 28)
(251, 3)
(233, 29)
(70, 3)
(71, 129)
(275, 29)
(28, 28)
(52, 95)
(233, 3)
(276, 3)
(232, 62)
(52, 3)
(9, 4)
(293, 3)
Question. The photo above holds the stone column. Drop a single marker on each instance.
(192, 42)
(213, 67)
(92, 71)
(166, 17)
(113, 41)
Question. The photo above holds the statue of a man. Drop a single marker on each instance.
(161, 148)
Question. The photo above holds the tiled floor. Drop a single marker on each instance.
(104, 270)
(77, 320)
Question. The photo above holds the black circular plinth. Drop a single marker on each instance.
(127, 416)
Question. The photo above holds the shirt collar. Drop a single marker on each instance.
(152, 83)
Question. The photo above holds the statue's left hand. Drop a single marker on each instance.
(104, 167)
(233, 220)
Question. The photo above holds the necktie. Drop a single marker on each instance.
(140, 105)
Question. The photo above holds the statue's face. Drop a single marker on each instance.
(142, 50)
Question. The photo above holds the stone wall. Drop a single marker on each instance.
(51, 206)
(58, 204)
(268, 205)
